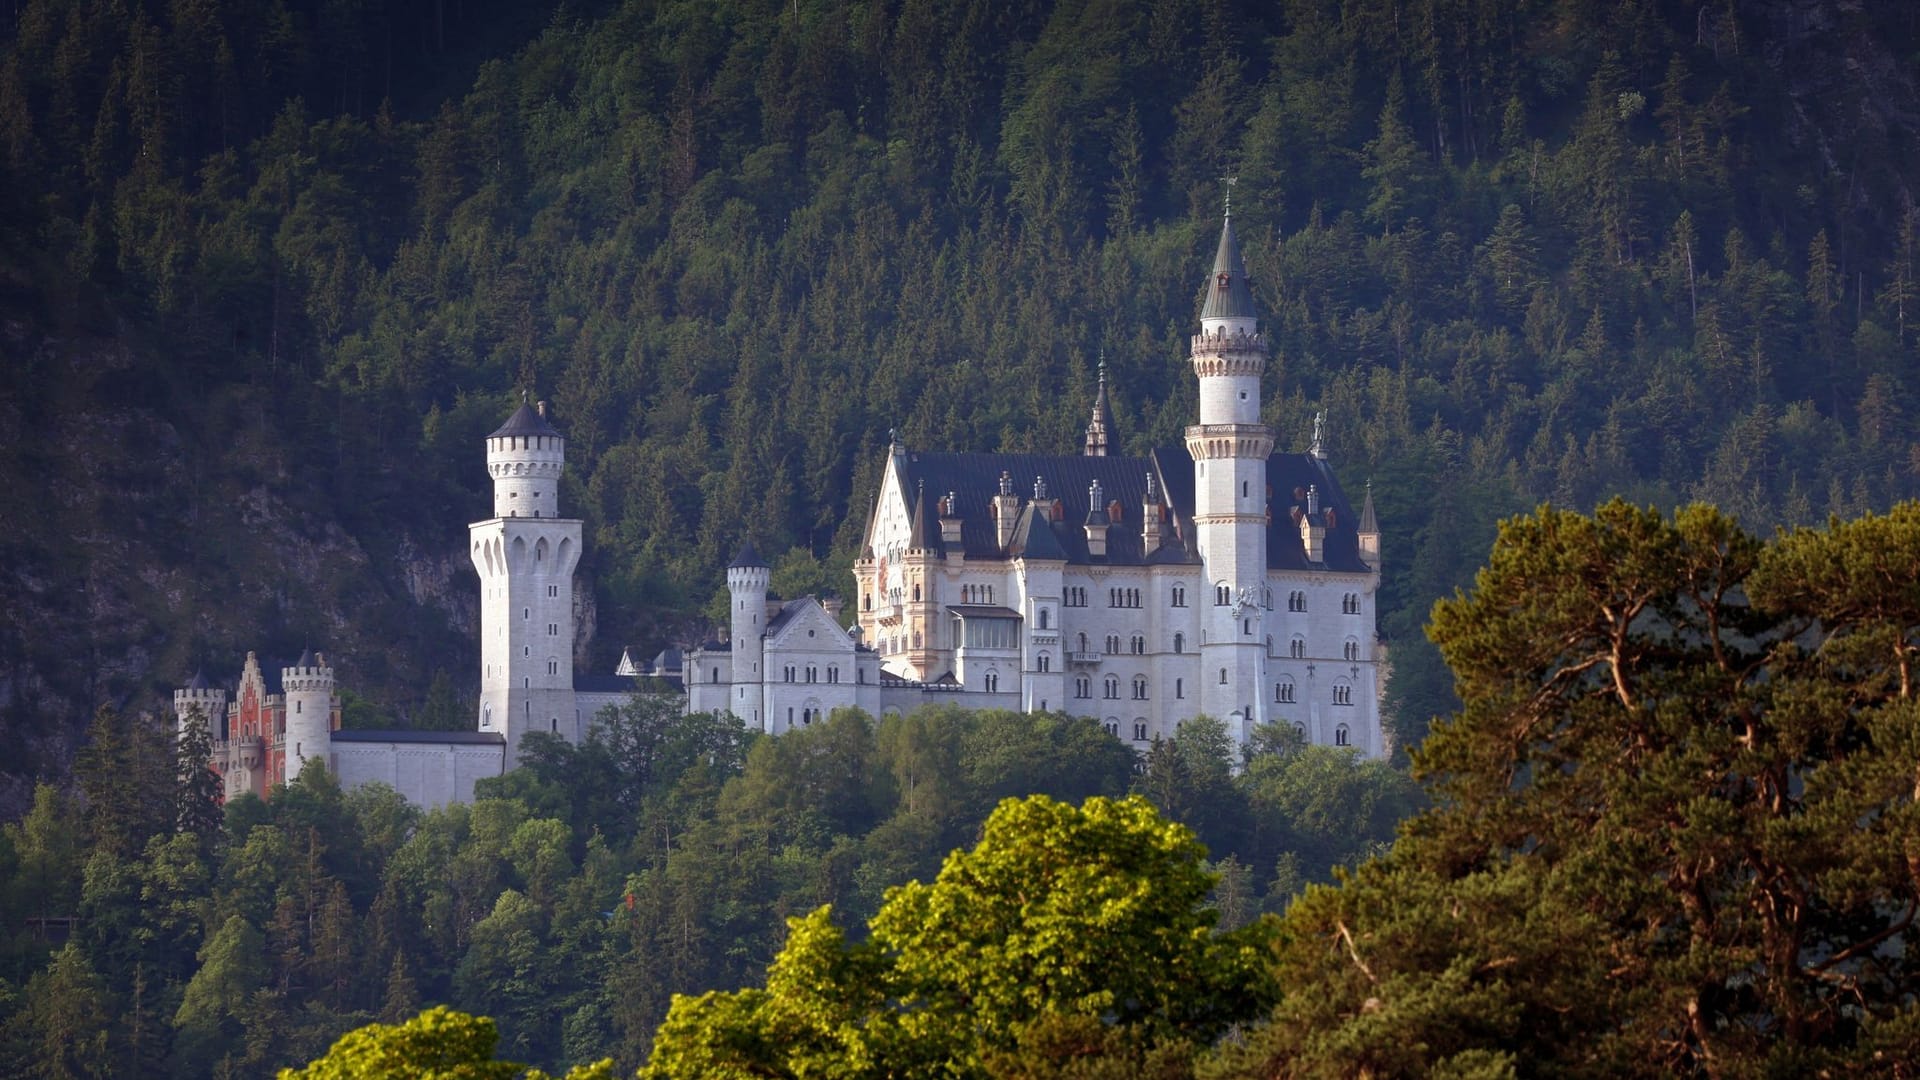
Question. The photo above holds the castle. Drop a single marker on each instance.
(1217, 577)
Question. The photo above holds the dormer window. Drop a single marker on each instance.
(1224, 279)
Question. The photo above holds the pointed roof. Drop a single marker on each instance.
(306, 659)
(1228, 294)
(199, 680)
(925, 536)
(525, 421)
(1368, 523)
(748, 556)
(1102, 415)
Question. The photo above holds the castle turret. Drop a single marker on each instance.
(1230, 447)
(1369, 533)
(1097, 426)
(1313, 527)
(526, 554)
(747, 579)
(198, 694)
(308, 687)
(1006, 511)
(526, 457)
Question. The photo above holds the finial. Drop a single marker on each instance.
(1006, 482)
(1103, 365)
(1153, 489)
(1039, 487)
(1229, 181)
(893, 437)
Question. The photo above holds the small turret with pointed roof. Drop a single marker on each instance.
(1102, 416)
(1098, 520)
(526, 456)
(1368, 533)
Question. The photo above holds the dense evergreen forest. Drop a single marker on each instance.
(578, 894)
(268, 272)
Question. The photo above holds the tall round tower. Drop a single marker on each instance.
(308, 686)
(1230, 447)
(210, 700)
(525, 555)
(747, 580)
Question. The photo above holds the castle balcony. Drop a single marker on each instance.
(1085, 656)
(889, 613)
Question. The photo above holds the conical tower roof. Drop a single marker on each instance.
(748, 556)
(526, 420)
(1368, 523)
(1228, 294)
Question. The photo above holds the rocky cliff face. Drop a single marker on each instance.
(148, 529)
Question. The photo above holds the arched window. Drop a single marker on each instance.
(1341, 736)
(993, 682)
(1342, 693)
(1138, 645)
(1139, 731)
(1110, 687)
(1222, 594)
(1083, 643)
(1139, 688)
(1351, 649)
(1043, 618)
(1082, 686)
(1112, 725)
(1044, 662)
(1179, 643)
(1179, 596)
(1179, 689)
(1223, 676)
(1283, 691)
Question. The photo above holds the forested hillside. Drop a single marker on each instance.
(269, 271)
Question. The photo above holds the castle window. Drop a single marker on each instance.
(715, 676)
(1283, 691)
(1082, 687)
(1179, 596)
(1352, 649)
(1138, 645)
(1139, 688)
(1113, 644)
(1110, 688)
(1296, 601)
(916, 592)
(1043, 618)
(1112, 727)
(1297, 648)
(1179, 643)
(1342, 693)
(1266, 597)
(555, 727)
(1179, 689)
(1139, 731)
(1340, 736)
(833, 673)
(1044, 662)
(553, 590)
(1222, 594)
(993, 682)
(811, 671)
(1223, 676)
(1246, 627)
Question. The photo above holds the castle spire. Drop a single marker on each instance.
(1102, 415)
(1228, 294)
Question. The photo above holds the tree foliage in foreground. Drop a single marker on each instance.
(1062, 927)
(1676, 830)
(439, 1044)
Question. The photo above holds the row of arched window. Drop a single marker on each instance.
(811, 673)
(1284, 694)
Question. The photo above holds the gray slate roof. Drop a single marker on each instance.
(975, 478)
(1230, 297)
(526, 420)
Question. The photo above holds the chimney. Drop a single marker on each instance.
(1313, 528)
(1097, 521)
(1150, 518)
(950, 519)
(1006, 509)
(541, 408)
(833, 605)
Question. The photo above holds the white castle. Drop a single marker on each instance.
(1216, 578)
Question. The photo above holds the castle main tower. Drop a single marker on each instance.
(526, 554)
(1230, 447)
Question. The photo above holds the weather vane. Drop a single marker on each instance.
(1229, 181)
